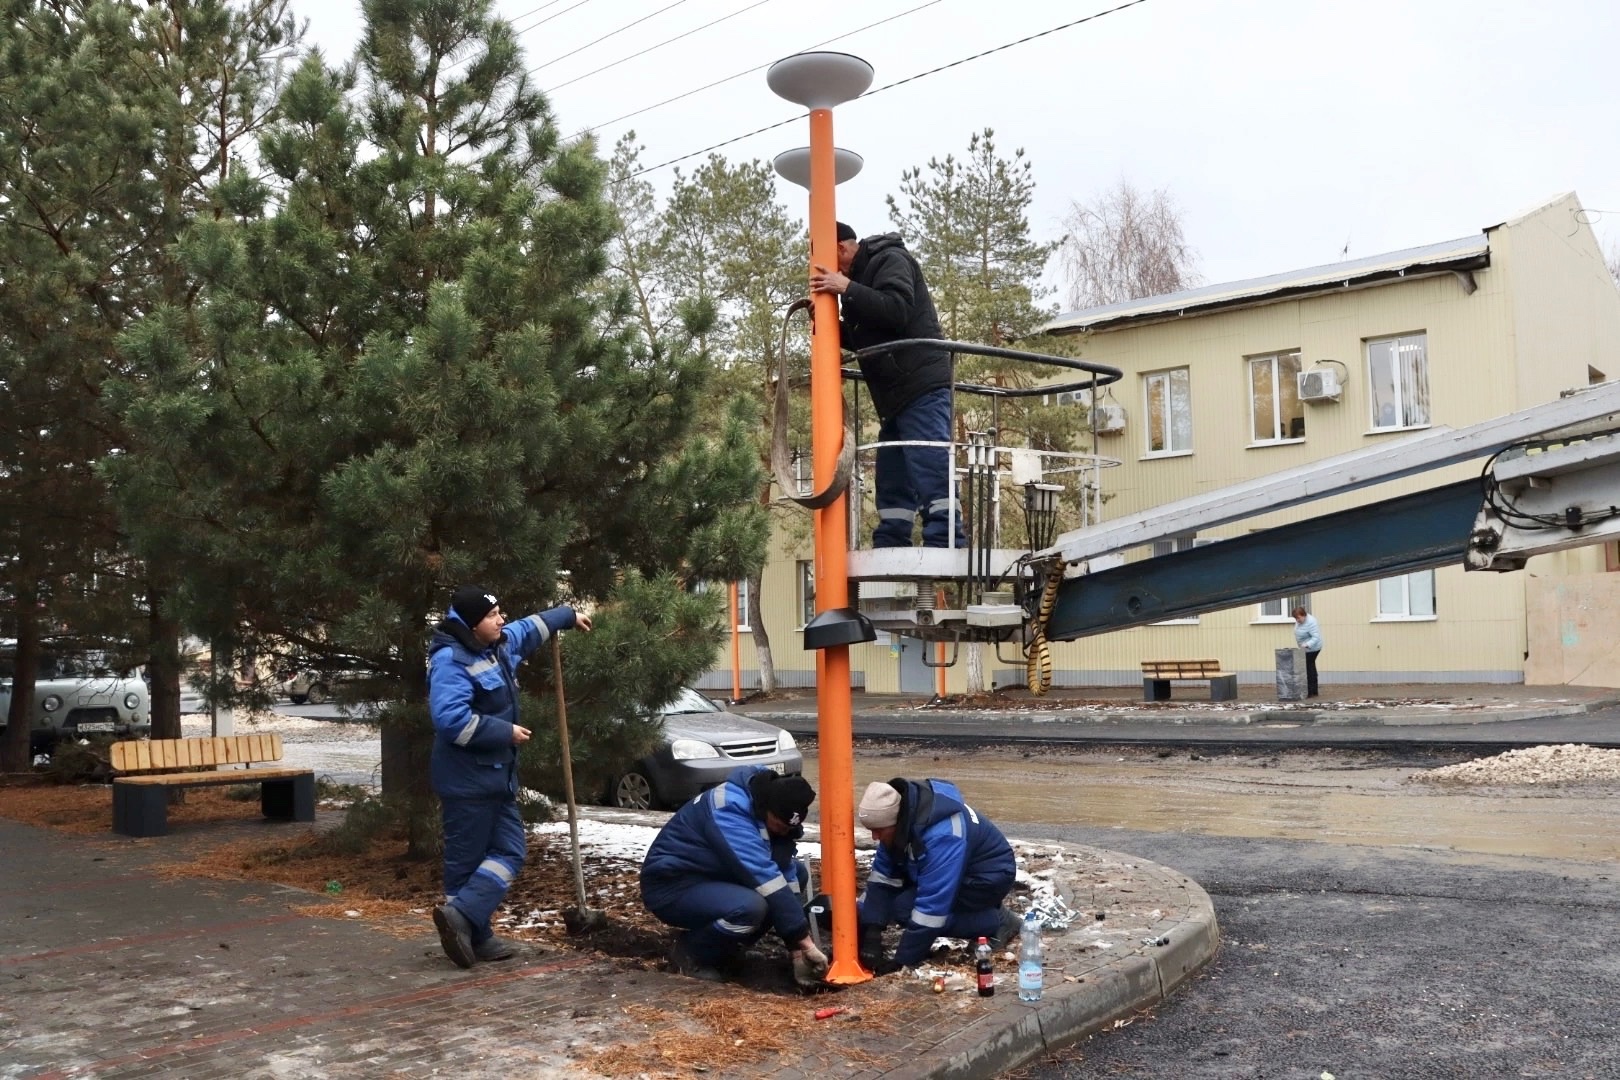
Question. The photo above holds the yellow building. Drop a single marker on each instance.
(1452, 334)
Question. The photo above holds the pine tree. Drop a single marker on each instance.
(115, 116)
(402, 374)
(722, 242)
(968, 223)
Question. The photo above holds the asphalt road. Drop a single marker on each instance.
(1366, 962)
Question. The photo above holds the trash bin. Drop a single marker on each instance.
(1291, 675)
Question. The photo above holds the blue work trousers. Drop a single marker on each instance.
(975, 913)
(484, 848)
(917, 479)
(721, 918)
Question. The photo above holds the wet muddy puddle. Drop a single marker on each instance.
(1318, 795)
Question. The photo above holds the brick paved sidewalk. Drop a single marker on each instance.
(113, 969)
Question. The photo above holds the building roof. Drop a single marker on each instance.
(1452, 256)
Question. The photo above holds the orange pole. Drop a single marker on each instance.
(736, 651)
(939, 650)
(834, 729)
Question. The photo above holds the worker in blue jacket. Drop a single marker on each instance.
(473, 698)
(941, 870)
(722, 869)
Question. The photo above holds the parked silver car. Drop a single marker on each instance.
(77, 695)
(702, 744)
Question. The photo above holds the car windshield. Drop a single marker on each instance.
(689, 701)
(52, 667)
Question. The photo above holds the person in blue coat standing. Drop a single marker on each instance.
(473, 699)
(1308, 636)
(722, 869)
(941, 870)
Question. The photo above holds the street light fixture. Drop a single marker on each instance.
(819, 81)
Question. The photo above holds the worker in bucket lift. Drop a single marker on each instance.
(473, 700)
(723, 871)
(941, 870)
(882, 297)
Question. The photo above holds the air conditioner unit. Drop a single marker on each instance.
(1109, 418)
(1321, 384)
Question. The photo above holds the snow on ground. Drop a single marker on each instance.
(629, 841)
(1568, 763)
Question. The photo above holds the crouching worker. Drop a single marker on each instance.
(941, 870)
(723, 871)
(473, 698)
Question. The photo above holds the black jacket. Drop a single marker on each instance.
(887, 300)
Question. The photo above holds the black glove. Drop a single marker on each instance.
(871, 946)
(886, 965)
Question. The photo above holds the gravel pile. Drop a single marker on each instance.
(1569, 763)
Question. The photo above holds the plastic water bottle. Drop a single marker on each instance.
(1031, 955)
(985, 967)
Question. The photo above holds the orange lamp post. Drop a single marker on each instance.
(819, 81)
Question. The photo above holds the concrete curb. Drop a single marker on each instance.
(1103, 991)
(1036, 725)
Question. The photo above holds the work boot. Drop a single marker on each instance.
(870, 944)
(680, 958)
(455, 934)
(1011, 926)
(493, 948)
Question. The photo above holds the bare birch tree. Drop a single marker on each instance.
(1125, 244)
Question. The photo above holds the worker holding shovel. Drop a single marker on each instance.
(473, 698)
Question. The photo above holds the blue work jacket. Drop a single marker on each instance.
(717, 836)
(940, 843)
(473, 698)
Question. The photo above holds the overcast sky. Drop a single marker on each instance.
(1285, 129)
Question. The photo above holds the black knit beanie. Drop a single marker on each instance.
(472, 603)
(788, 797)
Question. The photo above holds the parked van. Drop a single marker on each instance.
(77, 695)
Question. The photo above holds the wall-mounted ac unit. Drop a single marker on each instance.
(1064, 397)
(1110, 418)
(1319, 384)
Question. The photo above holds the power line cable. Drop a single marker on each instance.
(534, 10)
(604, 37)
(651, 48)
(548, 18)
(892, 85)
(750, 71)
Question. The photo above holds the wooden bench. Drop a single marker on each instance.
(1157, 675)
(141, 795)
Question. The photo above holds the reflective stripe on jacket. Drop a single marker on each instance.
(473, 699)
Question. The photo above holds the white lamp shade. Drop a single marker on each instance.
(819, 80)
(794, 165)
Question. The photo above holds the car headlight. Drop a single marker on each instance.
(691, 750)
(784, 743)
(51, 703)
(132, 701)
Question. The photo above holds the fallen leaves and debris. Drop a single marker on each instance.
(718, 1032)
(86, 809)
(1566, 763)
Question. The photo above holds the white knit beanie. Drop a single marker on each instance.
(880, 806)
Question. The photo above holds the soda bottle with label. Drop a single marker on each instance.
(985, 967)
(1031, 957)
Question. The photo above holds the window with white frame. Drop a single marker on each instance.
(1168, 547)
(1281, 608)
(802, 472)
(807, 591)
(1276, 414)
(742, 598)
(1169, 411)
(1398, 381)
(1410, 596)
